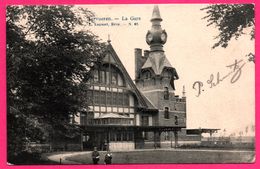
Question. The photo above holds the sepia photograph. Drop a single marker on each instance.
(130, 84)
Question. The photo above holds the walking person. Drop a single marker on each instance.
(95, 156)
(108, 157)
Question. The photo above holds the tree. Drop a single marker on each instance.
(231, 21)
(48, 62)
(253, 128)
(246, 130)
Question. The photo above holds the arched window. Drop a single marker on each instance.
(166, 135)
(176, 120)
(166, 113)
(166, 93)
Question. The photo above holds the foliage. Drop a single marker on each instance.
(48, 62)
(231, 21)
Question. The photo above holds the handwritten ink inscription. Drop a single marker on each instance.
(216, 79)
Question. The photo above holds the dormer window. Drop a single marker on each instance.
(147, 74)
(166, 73)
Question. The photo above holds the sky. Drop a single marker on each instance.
(229, 106)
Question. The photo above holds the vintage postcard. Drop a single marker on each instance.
(130, 84)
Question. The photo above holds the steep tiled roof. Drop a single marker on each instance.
(157, 61)
(149, 104)
(142, 102)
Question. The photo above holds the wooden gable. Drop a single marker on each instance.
(111, 57)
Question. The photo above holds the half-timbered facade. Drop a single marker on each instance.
(123, 115)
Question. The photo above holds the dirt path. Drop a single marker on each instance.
(62, 158)
(160, 156)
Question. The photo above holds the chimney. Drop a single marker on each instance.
(138, 62)
(146, 53)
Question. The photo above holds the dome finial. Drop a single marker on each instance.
(156, 14)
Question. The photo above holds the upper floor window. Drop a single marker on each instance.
(108, 75)
(96, 77)
(102, 76)
(144, 121)
(114, 78)
(176, 120)
(111, 98)
(166, 93)
(166, 113)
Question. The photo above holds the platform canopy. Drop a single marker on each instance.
(131, 128)
(201, 130)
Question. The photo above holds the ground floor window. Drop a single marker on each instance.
(121, 136)
(145, 135)
(167, 135)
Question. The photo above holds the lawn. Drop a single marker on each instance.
(173, 156)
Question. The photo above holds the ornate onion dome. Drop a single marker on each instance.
(156, 37)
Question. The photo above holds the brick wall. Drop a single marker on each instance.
(175, 105)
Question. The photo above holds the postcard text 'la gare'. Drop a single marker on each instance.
(115, 21)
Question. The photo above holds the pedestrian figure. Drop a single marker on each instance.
(95, 156)
(105, 145)
(108, 157)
